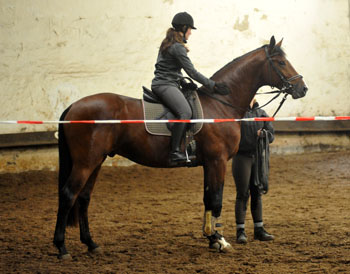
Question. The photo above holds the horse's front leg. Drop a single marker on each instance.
(214, 175)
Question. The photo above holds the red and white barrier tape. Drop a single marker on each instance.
(315, 118)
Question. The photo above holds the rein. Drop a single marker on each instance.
(279, 92)
(209, 94)
(275, 97)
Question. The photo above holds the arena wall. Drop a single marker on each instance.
(55, 52)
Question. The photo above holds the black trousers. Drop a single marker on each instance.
(242, 171)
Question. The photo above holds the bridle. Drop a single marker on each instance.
(287, 85)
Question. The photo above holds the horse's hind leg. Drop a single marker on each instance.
(84, 201)
(67, 198)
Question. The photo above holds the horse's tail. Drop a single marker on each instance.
(65, 168)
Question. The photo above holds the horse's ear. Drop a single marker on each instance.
(272, 43)
(279, 44)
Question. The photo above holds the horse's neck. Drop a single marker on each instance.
(244, 77)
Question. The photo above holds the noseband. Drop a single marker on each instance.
(287, 85)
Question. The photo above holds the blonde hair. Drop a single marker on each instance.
(172, 37)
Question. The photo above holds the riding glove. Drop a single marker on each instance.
(221, 88)
(188, 85)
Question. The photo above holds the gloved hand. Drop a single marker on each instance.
(188, 85)
(221, 88)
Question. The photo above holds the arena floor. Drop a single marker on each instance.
(149, 221)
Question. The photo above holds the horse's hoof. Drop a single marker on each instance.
(97, 250)
(220, 245)
(227, 249)
(65, 257)
(215, 246)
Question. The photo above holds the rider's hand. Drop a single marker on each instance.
(189, 86)
(221, 88)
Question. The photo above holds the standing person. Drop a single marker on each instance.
(243, 173)
(172, 57)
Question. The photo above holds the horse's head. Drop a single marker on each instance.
(280, 73)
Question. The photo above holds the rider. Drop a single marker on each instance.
(242, 171)
(172, 57)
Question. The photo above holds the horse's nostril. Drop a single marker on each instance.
(305, 89)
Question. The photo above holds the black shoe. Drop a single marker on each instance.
(177, 156)
(241, 236)
(261, 235)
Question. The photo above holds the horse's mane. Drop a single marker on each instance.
(277, 50)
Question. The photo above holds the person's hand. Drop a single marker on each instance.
(221, 88)
(189, 86)
(259, 132)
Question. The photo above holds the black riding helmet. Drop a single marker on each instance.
(182, 19)
(181, 22)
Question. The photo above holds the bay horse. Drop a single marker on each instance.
(84, 147)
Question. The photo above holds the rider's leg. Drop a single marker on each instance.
(174, 99)
(178, 132)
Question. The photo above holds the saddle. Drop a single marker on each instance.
(155, 110)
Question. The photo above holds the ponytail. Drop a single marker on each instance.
(172, 37)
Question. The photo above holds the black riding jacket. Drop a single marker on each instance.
(169, 65)
(249, 130)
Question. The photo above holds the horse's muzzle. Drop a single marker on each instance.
(299, 90)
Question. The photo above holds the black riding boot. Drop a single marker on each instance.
(178, 132)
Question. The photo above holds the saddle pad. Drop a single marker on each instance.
(153, 111)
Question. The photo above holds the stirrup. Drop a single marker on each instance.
(189, 158)
(177, 156)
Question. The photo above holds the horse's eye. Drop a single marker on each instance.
(281, 63)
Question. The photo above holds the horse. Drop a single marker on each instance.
(84, 147)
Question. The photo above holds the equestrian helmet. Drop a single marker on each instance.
(182, 19)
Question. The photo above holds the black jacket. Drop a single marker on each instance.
(249, 130)
(169, 65)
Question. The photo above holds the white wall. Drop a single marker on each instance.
(55, 52)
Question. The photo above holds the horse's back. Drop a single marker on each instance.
(104, 106)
